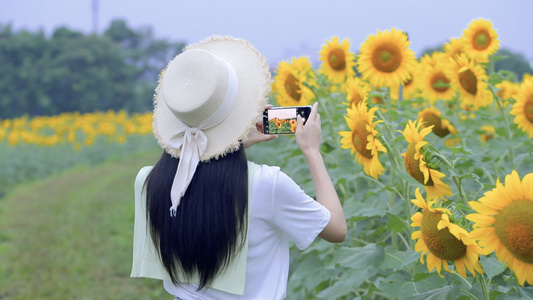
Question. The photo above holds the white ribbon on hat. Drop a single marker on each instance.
(193, 141)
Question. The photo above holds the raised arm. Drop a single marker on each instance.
(308, 138)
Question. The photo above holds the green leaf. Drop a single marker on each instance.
(390, 285)
(367, 209)
(397, 259)
(349, 281)
(359, 257)
(407, 291)
(447, 292)
(461, 149)
(463, 207)
(491, 266)
(396, 223)
(526, 292)
(422, 276)
(310, 272)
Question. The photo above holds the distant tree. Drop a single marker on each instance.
(71, 71)
(148, 54)
(514, 62)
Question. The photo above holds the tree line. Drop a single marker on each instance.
(72, 71)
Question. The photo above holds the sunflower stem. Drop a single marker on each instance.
(457, 181)
(484, 287)
(469, 294)
(505, 118)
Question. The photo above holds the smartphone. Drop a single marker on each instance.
(282, 120)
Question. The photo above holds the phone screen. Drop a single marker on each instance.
(282, 120)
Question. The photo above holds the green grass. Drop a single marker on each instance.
(28, 162)
(70, 236)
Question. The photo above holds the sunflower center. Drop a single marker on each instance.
(359, 140)
(439, 82)
(433, 119)
(387, 58)
(413, 166)
(377, 99)
(356, 99)
(336, 59)
(441, 243)
(481, 40)
(291, 87)
(528, 109)
(514, 228)
(468, 81)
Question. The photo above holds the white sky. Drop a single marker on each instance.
(289, 113)
(281, 29)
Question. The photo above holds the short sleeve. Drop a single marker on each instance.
(298, 215)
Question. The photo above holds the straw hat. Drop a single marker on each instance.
(207, 100)
(198, 81)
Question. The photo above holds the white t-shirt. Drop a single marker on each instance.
(279, 212)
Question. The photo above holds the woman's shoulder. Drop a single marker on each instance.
(142, 174)
(262, 169)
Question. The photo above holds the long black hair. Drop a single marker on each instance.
(210, 225)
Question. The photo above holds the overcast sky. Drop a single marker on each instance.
(281, 29)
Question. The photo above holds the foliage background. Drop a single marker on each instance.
(49, 195)
(72, 71)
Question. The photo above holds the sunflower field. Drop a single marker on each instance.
(34, 148)
(432, 158)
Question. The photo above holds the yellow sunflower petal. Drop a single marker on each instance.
(460, 265)
(481, 208)
(481, 220)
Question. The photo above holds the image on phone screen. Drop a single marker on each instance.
(282, 121)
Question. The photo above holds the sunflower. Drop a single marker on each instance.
(507, 89)
(454, 47)
(293, 125)
(429, 60)
(480, 40)
(504, 223)
(410, 88)
(378, 99)
(433, 117)
(385, 59)
(434, 82)
(289, 85)
(487, 133)
(523, 108)
(356, 91)
(416, 164)
(362, 138)
(470, 80)
(337, 60)
(443, 240)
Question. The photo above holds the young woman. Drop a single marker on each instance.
(208, 222)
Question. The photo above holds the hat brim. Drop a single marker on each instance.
(254, 81)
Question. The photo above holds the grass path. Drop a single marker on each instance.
(70, 236)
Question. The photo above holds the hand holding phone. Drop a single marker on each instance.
(282, 120)
(309, 137)
(257, 135)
